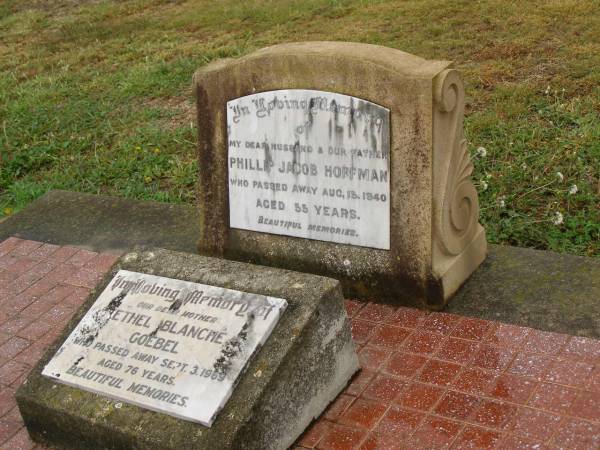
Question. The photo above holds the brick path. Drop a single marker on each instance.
(433, 381)
(41, 286)
(429, 381)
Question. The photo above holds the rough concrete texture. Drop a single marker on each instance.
(305, 363)
(104, 223)
(435, 240)
(541, 289)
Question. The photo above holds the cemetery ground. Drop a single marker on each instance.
(95, 96)
(96, 99)
(428, 380)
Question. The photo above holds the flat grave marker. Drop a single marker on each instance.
(131, 371)
(167, 345)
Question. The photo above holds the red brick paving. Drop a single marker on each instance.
(429, 380)
(442, 381)
(41, 286)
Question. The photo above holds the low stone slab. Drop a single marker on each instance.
(539, 289)
(302, 366)
(104, 223)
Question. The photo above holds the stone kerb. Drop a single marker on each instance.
(435, 241)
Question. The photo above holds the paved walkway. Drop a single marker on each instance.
(429, 380)
(434, 381)
(41, 286)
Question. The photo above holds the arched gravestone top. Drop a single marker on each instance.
(434, 242)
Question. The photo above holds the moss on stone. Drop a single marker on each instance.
(303, 365)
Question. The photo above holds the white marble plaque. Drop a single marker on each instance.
(167, 345)
(310, 164)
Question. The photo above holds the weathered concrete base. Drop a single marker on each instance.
(104, 223)
(540, 289)
(305, 363)
(464, 264)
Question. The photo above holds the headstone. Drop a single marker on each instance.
(340, 159)
(178, 351)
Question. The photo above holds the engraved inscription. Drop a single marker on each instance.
(168, 345)
(310, 164)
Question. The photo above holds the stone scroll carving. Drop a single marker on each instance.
(457, 223)
(455, 202)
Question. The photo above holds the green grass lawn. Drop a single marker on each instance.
(95, 95)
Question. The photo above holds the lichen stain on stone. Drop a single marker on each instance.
(233, 347)
(268, 157)
(154, 332)
(116, 302)
(78, 361)
(295, 152)
(351, 119)
(89, 331)
(149, 256)
(175, 305)
(129, 257)
(311, 104)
